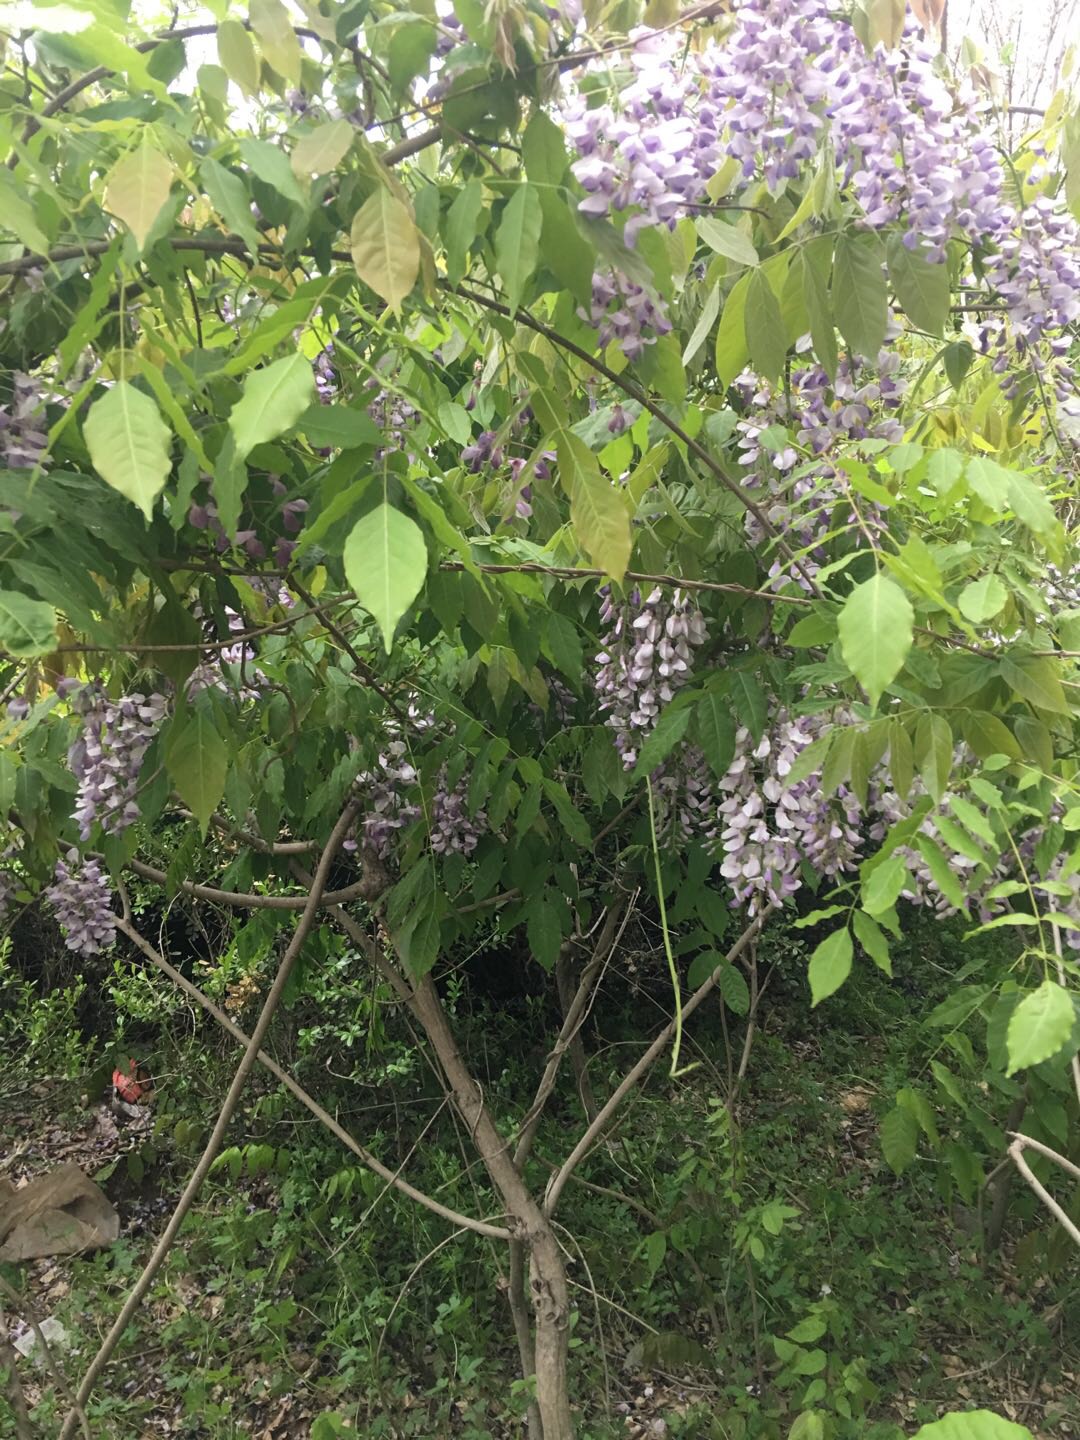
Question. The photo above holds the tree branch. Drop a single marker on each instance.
(1016, 1154)
(610, 935)
(657, 411)
(558, 1181)
(23, 1306)
(370, 885)
(392, 1177)
(228, 1108)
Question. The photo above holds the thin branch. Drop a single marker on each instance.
(1016, 1152)
(8, 1357)
(629, 388)
(363, 669)
(256, 842)
(232, 1099)
(584, 572)
(392, 1177)
(64, 97)
(607, 941)
(593, 1132)
(23, 1306)
(369, 885)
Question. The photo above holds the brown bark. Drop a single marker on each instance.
(1002, 1186)
(548, 1290)
(565, 980)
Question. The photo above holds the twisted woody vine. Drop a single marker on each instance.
(501, 466)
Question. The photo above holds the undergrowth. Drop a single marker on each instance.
(750, 1269)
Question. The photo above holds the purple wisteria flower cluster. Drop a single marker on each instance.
(291, 517)
(211, 673)
(393, 414)
(393, 802)
(23, 428)
(793, 82)
(646, 656)
(771, 826)
(453, 831)
(390, 805)
(798, 490)
(107, 756)
(82, 899)
(625, 313)
(1036, 271)
(766, 826)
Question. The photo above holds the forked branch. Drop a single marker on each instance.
(392, 1177)
(558, 1181)
(228, 1109)
(1016, 1154)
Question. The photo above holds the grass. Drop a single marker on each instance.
(732, 1274)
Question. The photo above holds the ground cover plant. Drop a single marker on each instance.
(536, 548)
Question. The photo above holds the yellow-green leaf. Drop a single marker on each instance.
(237, 56)
(322, 150)
(386, 247)
(597, 510)
(982, 599)
(27, 626)
(129, 444)
(517, 242)
(273, 401)
(385, 563)
(271, 23)
(1039, 1026)
(830, 965)
(137, 188)
(876, 626)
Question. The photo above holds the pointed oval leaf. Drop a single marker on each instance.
(714, 731)
(982, 599)
(859, 294)
(129, 444)
(27, 627)
(385, 247)
(881, 888)
(876, 626)
(322, 149)
(766, 338)
(899, 1138)
(237, 56)
(385, 563)
(517, 242)
(1039, 1026)
(727, 240)
(273, 401)
(277, 38)
(830, 965)
(197, 759)
(921, 285)
(137, 188)
(597, 511)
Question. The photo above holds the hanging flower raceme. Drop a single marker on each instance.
(766, 826)
(23, 427)
(107, 756)
(453, 830)
(82, 899)
(647, 656)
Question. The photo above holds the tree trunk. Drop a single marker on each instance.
(1002, 1186)
(548, 1290)
(566, 979)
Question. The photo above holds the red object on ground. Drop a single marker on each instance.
(128, 1086)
